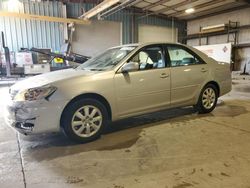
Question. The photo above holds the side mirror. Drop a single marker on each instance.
(130, 67)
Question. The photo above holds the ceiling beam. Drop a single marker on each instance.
(156, 4)
(117, 8)
(208, 14)
(136, 2)
(43, 18)
(99, 8)
(212, 2)
(80, 1)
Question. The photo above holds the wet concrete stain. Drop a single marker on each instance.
(229, 110)
(210, 174)
(118, 186)
(137, 181)
(120, 145)
(74, 180)
(194, 182)
(45, 154)
(244, 89)
(183, 185)
(226, 165)
(194, 170)
(224, 174)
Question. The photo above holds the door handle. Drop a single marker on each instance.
(164, 75)
(203, 70)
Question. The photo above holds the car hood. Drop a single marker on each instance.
(50, 78)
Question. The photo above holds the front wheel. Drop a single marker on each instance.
(208, 99)
(83, 120)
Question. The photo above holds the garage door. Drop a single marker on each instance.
(96, 37)
(149, 33)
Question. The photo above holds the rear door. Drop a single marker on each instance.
(188, 73)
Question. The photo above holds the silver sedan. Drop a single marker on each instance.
(121, 82)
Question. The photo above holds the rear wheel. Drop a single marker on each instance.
(84, 120)
(208, 99)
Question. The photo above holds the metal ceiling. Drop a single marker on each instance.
(173, 8)
(176, 8)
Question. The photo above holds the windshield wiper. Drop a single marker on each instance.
(95, 69)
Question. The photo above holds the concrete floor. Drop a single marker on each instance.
(170, 149)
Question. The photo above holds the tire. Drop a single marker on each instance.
(207, 99)
(84, 120)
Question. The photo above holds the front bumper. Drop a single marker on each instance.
(33, 117)
(19, 119)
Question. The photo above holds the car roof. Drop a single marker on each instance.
(145, 44)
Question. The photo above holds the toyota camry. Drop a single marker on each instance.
(122, 82)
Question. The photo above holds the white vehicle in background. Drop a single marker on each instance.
(123, 81)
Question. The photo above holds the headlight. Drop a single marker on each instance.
(35, 93)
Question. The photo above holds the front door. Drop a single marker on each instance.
(146, 89)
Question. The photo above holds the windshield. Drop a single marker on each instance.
(107, 59)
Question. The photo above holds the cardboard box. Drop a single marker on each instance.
(23, 58)
(36, 68)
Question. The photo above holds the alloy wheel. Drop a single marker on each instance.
(208, 98)
(86, 121)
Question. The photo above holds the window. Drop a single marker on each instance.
(149, 58)
(181, 57)
(108, 59)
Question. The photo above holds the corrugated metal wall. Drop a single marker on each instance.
(41, 34)
(129, 21)
(160, 21)
(29, 33)
(74, 10)
(127, 18)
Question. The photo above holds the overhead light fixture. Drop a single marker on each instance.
(189, 10)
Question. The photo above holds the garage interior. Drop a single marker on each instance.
(176, 148)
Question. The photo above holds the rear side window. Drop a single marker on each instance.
(182, 57)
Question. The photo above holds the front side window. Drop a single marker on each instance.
(181, 57)
(149, 58)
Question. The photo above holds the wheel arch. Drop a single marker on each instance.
(95, 96)
(215, 84)
(210, 82)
